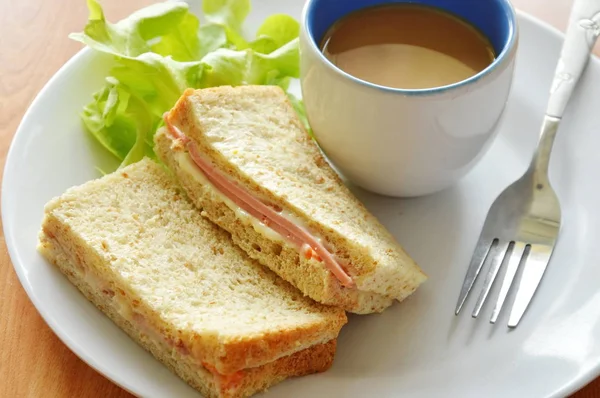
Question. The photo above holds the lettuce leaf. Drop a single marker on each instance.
(276, 31)
(161, 50)
(130, 36)
(120, 122)
(230, 13)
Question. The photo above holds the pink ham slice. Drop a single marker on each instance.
(267, 215)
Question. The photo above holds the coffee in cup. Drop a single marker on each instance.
(407, 46)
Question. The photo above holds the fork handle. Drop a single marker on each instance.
(583, 30)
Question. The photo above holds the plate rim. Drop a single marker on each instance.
(569, 388)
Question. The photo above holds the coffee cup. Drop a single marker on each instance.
(406, 142)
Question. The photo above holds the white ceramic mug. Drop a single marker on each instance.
(406, 142)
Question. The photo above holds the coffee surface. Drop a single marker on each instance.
(407, 46)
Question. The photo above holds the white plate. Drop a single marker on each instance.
(418, 348)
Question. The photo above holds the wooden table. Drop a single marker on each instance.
(33, 46)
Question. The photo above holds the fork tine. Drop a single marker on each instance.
(479, 256)
(517, 255)
(534, 267)
(497, 259)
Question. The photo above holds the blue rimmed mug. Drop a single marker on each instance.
(401, 142)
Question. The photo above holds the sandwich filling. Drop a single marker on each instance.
(269, 215)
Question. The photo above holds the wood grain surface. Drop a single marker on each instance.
(33, 46)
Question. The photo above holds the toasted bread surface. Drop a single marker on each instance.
(137, 230)
(253, 134)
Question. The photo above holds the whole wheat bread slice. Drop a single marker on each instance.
(139, 250)
(253, 135)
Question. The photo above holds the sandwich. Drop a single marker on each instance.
(246, 161)
(136, 247)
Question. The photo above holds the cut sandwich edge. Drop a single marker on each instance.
(207, 381)
(307, 274)
(369, 274)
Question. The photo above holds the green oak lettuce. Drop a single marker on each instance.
(161, 50)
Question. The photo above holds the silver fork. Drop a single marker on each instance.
(523, 223)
